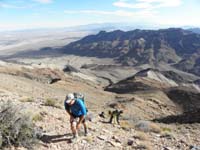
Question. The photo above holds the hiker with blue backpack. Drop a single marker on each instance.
(75, 107)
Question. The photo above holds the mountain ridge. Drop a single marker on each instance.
(173, 46)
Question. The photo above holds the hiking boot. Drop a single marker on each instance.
(85, 132)
(74, 139)
(75, 135)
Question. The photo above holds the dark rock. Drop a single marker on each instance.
(88, 66)
(192, 147)
(130, 142)
(175, 77)
(167, 148)
(129, 85)
(51, 81)
(69, 69)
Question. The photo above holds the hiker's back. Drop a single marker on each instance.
(79, 96)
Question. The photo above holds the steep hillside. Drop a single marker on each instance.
(188, 99)
(190, 64)
(181, 93)
(145, 80)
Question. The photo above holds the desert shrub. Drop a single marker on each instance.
(144, 146)
(125, 125)
(165, 129)
(27, 99)
(155, 128)
(141, 136)
(16, 128)
(89, 139)
(147, 126)
(50, 102)
(37, 117)
(167, 135)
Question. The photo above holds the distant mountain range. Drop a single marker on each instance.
(174, 46)
(195, 30)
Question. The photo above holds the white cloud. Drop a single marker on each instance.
(120, 13)
(147, 4)
(13, 6)
(44, 1)
(130, 5)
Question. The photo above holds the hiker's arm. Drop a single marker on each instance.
(67, 108)
(68, 112)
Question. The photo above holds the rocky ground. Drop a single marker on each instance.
(29, 86)
(145, 135)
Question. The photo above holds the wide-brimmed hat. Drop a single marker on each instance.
(69, 98)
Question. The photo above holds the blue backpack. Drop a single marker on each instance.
(81, 97)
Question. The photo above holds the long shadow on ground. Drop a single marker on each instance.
(185, 118)
(56, 138)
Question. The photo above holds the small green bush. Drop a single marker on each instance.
(16, 128)
(50, 102)
(37, 118)
(165, 129)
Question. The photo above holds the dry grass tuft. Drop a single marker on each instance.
(27, 99)
(52, 102)
(155, 128)
(141, 136)
(144, 145)
(147, 126)
(89, 139)
(37, 118)
(125, 125)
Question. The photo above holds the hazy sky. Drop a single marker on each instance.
(20, 14)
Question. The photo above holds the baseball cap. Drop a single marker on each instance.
(69, 98)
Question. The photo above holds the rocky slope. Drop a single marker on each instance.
(27, 86)
(152, 79)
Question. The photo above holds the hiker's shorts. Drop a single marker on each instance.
(76, 119)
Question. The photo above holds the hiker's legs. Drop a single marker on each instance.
(118, 119)
(73, 126)
(85, 127)
(115, 119)
(111, 118)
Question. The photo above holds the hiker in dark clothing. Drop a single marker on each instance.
(102, 115)
(77, 111)
(115, 115)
